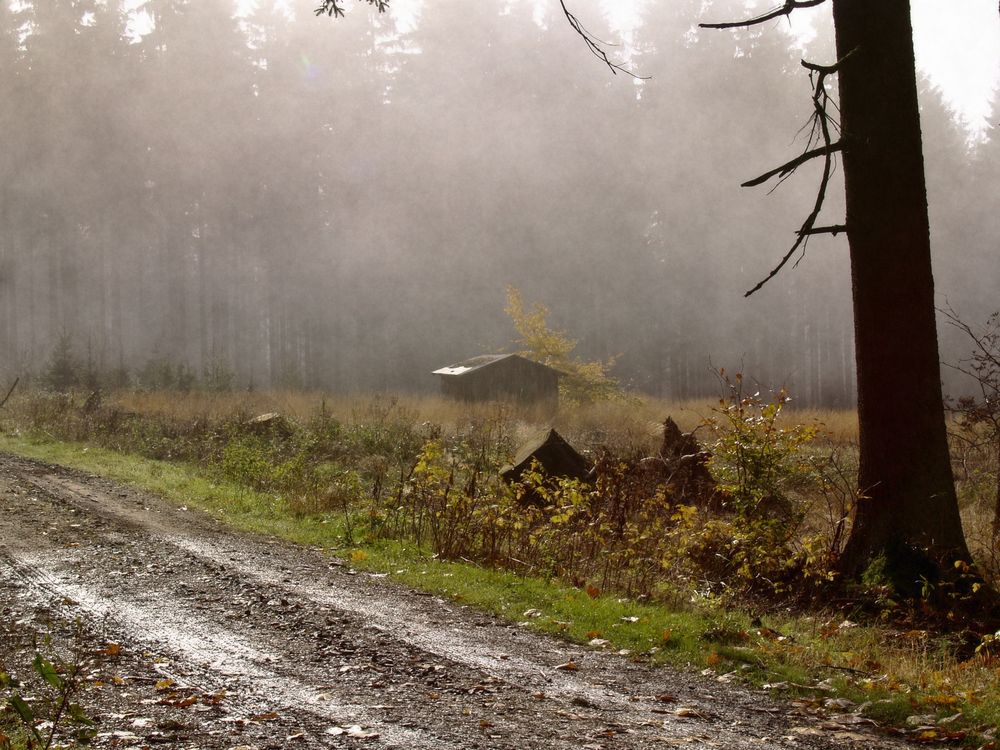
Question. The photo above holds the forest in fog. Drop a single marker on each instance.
(340, 204)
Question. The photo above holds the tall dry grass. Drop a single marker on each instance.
(636, 422)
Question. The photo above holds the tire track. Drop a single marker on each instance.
(274, 624)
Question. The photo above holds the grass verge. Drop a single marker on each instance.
(821, 660)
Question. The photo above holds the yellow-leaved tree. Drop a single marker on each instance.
(582, 382)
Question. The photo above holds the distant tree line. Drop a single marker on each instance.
(302, 204)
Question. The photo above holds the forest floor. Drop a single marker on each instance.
(188, 634)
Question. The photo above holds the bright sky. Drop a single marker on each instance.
(958, 48)
(957, 45)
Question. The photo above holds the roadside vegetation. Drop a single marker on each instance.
(737, 581)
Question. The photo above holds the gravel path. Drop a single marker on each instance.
(195, 636)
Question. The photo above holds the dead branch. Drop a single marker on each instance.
(984, 344)
(821, 122)
(595, 45)
(335, 8)
(788, 167)
(16, 381)
(835, 229)
(785, 9)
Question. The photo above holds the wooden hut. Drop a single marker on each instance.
(500, 377)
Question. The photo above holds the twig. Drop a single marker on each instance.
(335, 9)
(784, 10)
(595, 45)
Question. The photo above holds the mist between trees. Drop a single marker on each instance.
(286, 202)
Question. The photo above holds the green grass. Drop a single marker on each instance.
(895, 674)
(675, 637)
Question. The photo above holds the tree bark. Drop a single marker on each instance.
(909, 512)
(996, 501)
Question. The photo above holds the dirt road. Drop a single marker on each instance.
(193, 635)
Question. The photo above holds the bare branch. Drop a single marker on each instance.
(821, 122)
(335, 8)
(16, 381)
(790, 166)
(595, 45)
(984, 344)
(834, 230)
(785, 9)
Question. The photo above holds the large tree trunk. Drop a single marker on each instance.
(910, 510)
(996, 501)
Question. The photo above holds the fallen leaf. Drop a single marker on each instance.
(847, 719)
(689, 712)
(570, 666)
(532, 613)
(593, 592)
(485, 724)
(841, 704)
(356, 731)
(805, 730)
(269, 716)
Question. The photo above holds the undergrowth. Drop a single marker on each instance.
(634, 555)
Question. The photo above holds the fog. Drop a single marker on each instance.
(340, 204)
